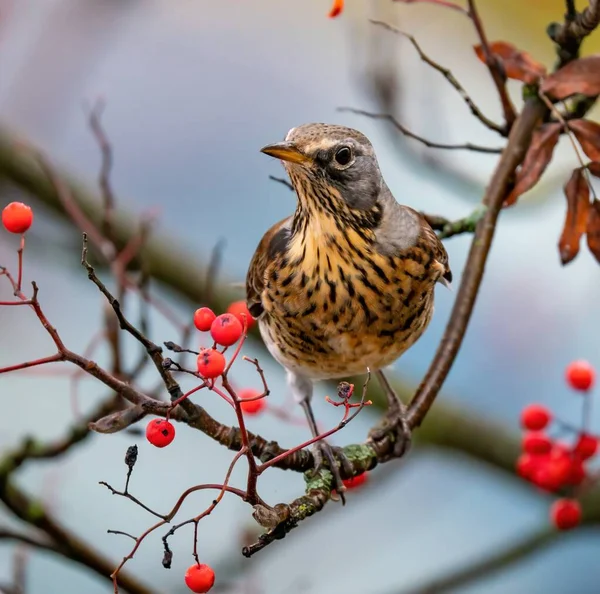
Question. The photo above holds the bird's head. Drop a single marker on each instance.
(332, 168)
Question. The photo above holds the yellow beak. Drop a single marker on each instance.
(286, 151)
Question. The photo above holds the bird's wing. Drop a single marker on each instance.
(274, 241)
(439, 252)
(403, 227)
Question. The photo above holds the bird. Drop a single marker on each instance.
(345, 285)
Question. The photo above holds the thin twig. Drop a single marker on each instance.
(447, 74)
(385, 116)
(496, 70)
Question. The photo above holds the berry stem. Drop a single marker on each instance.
(20, 253)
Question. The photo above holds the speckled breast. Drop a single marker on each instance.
(344, 314)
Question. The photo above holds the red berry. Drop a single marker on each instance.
(586, 446)
(553, 470)
(580, 375)
(527, 465)
(226, 329)
(17, 217)
(160, 433)
(535, 417)
(240, 310)
(577, 474)
(252, 407)
(356, 481)
(199, 578)
(203, 318)
(536, 442)
(565, 513)
(211, 363)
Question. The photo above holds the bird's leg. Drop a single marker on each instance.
(394, 421)
(302, 389)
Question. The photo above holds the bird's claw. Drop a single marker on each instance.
(394, 428)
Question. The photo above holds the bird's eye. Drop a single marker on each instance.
(343, 156)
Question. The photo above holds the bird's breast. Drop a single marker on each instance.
(335, 305)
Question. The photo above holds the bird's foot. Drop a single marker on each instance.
(395, 429)
(336, 459)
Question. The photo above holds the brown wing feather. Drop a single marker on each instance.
(273, 242)
(439, 251)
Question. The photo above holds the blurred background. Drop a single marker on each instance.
(193, 89)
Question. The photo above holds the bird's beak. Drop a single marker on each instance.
(286, 151)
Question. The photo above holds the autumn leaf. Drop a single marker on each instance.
(536, 160)
(594, 168)
(577, 192)
(579, 76)
(588, 136)
(593, 229)
(336, 9)
(517, 64)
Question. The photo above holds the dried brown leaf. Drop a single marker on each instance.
(579, 76)
(536, 160)
(517, 64)
(577, 192)
(593, 229)
(588, 136)
(594, 168)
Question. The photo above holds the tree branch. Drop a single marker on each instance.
(512, 157)
(447, 74)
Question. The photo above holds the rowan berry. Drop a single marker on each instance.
(586, 446)
(535, 417)
(536, 442)
(240, 310)
(211, 363)
(580, 375)
(203, 318)
(356, 481)
(251, 407)
(226, 329)
(160, 432)
(17, 217)
(565, 513)
(527, 465)
(199, 578)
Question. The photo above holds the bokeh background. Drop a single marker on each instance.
(193, 89)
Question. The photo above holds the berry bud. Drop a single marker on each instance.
(203, 318)
(580, 375)
(211, 363)
(565, 513)
(356, 481)
(17, 217)
(160, 433)
(536, 442)
(226, 329)
(131, 456)
(240, 310)
(251, 407)
(199, 578)
(535, 417)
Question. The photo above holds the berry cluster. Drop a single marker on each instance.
(226, 330)
(554, 465)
